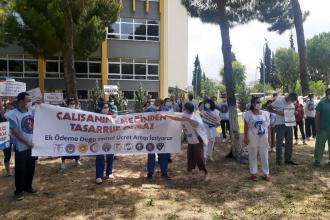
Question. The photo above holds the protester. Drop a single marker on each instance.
(124, 102)
(162, 158)
(310, 112)
(191, 100)
(211, 119)
(201, 106)
(113, 107)
(100, 159)
(224, 116)
(300, 122)
(272, 117)
(322, 124)
(21, 126)
(257, 137)
(283, 131)
(175, 105)
(194, 129)
(73, 105)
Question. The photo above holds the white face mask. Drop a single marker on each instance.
(72, 106)
(258, 106)
(207, 105)
(105, 111)
(112, 103)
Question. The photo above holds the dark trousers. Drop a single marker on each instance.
(283, 133)
(310, 127)
(7, 153)
(301, 128)
(272, 137)
(163, 162)
(76, 158)
(225, 127)
(195, 156)
(100, 165)
(24, 171)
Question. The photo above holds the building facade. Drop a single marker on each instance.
(148, 44)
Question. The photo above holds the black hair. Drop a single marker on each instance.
(310, 95)
(268, 102)
(275, 94)
(211, 103)
(189, 107)
(293, 96)
(166, 99)
(190, 95)
(253, 101)
(22, 95)
(327, 90)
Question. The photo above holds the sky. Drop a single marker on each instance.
(248, 40)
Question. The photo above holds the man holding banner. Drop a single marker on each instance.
(21, 121)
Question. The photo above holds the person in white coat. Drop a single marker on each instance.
(211, 119)
(257, 138)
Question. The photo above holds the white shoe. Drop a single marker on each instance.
(211, 159)
(111, 176)
(98, 180)
(273, 150)
(63, 166)
(224, 140)
(38, 162)
(79, 163)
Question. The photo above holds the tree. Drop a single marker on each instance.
(239, 74)
(274, 78)
(71, 28)
(297, 88)
(287, 62)
(209, 88)
(283, 15)
(317, 87)
(243, 97)
(140, 99)
(197, 77)
(268, 63)
(226, 14)
(318, 50)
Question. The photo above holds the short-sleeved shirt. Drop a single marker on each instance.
(224, 111)
(193, 133)
(23, 122)
(310, 108)
(324, 109)
(258, 127)
(280, 104)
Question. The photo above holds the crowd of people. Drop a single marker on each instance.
(268, 128)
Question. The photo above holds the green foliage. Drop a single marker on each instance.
(268, 63)
(38, 26)
(318, 50)
(287, 64)
(208, 88)
(197, 77)
(292, 42)
(243, 97)
(317, 87)
(96, 94)
(239, 74)
(259, 88)
(178, 94)
(140, 99)
(297, 88)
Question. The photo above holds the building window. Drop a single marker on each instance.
(21, 66)
(133, 69)
(129, 95)
(154, 95)
(85, 69)
(134, 29)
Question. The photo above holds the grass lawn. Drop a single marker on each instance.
(295, 192)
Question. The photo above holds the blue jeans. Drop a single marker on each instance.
(163, 160)
(100, 164)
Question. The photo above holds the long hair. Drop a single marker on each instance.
(211, 103)
(253, 102)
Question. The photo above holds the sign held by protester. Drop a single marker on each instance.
(290, 117)
(67, 132)
(35, 94)
(11, 88)
(110, 89)
(53, 98)
(4, 135)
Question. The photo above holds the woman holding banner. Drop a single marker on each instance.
(100, 159)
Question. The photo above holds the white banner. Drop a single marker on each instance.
(35, 94)
(11, 88)
(4, 135)
(62, 131)
(53, 98)
(110, 90)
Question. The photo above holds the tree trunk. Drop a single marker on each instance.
(68, 53)
(236, 144)
(298, 21)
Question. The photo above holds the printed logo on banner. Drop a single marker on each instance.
(82, 148)
(27, 124)
(118, 147)
(106, 147)
(150, 147)
(139, 146)
(128, 147)
(95, 148)
(70, 148)
(58, 148)
(160, 146)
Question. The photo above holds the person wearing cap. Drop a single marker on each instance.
(283, 128)
(21, 121)
(322, 122)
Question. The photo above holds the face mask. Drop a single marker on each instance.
(258, 106)
(112, 103)
(168, 104)
(29, 104)
(105, 111)
(72, 106)
(207, 106)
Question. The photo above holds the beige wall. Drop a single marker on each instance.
(176, 44)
